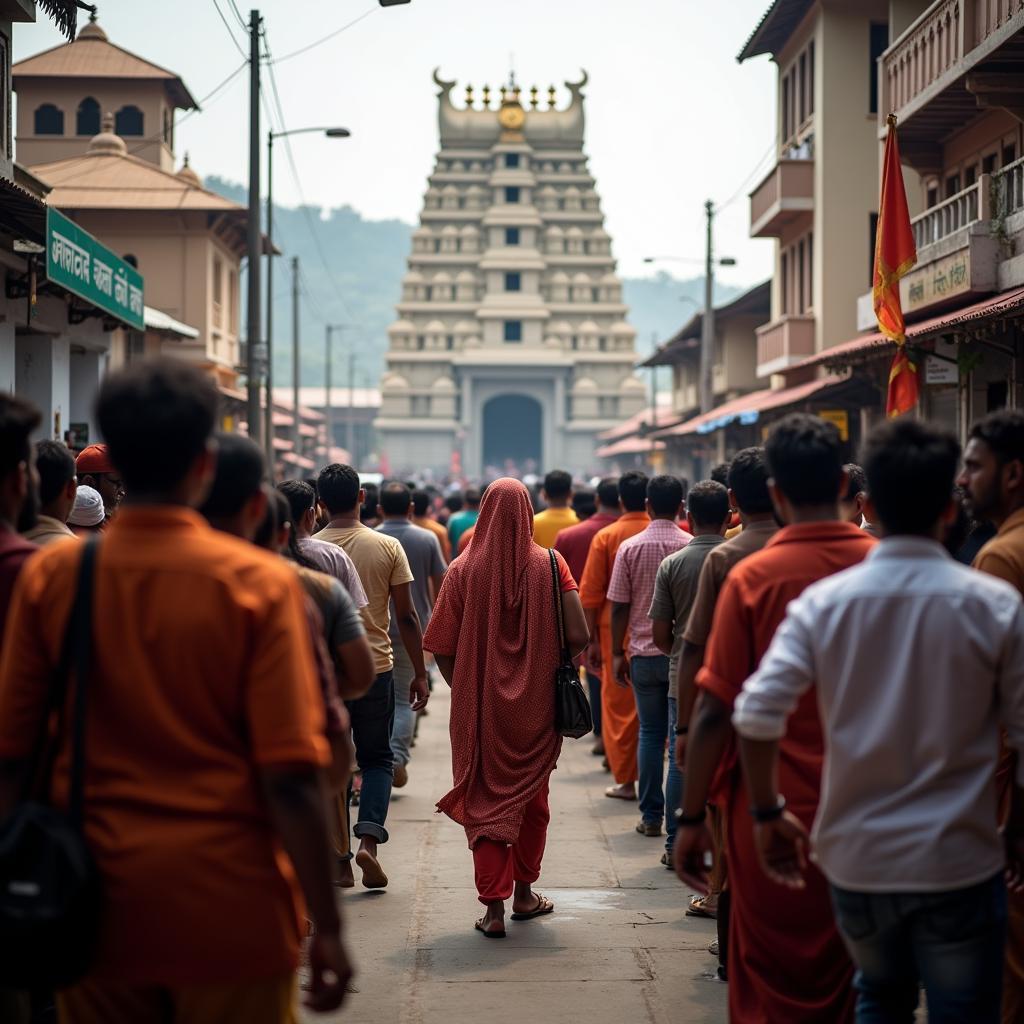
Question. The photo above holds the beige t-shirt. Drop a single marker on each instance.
(381, 564)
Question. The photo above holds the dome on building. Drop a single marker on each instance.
(402, 327)
(107, 143)
(582, 279)
(559, 277)
(92, 30)
(444, 384)
(188, 175)
(560, 327)
(464, 327)
(633, 384)
(554, 231)
(623, 330)
(393, 381)
(465, 277)
(448, 230)
(435, 327)
(589, 327)
(423, 232)
(412, 277)
(470, 231)
(441, 277)
(573, 232)
(584, 384)
(610, 278)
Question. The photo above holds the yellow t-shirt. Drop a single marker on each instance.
(381, 563)
(547, 524)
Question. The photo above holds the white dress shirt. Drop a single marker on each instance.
(916, 660)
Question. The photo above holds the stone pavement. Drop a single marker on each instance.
(617, 948)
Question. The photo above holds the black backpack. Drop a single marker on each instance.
(49, 884)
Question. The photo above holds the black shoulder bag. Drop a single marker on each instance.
(572, 709)
(49, 885)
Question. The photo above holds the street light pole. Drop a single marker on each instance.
(707, 334)
(328, 383)
(253, 232)
(296, 435)
(268, 428)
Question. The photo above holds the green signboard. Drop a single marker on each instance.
(77, 262)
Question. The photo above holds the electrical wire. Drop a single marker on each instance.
(758, 168)
(304, 206)
(230, 31)
(238, 14)
(322, 39)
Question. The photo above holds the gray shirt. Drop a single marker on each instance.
(675, 588)
(423, 550)
(334, 561)
(916, 661)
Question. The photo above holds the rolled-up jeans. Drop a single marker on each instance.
(674, 782)
(650, 685)
(405, 718)
(373, 716)
(951, 942)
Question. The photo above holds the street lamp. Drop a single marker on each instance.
(330, 133)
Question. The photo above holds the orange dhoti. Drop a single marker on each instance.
(620, 727)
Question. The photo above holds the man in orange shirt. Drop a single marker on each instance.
(786, 960)
(620, 728)
(204, 801)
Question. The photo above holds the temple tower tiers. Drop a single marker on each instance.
(511, 350)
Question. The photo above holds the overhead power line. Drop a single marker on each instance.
(230, 31)
(322, 39)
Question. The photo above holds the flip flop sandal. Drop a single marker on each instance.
(697, 910)
(479, 926)
(544, 906)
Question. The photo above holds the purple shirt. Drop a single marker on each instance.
(331, 559)
(632, 583)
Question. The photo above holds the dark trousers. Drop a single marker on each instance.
(373, 717)
(950, 942)
(594, 690)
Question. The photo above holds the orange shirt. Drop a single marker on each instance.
(439, 531)
(204, 673)
(597, 573)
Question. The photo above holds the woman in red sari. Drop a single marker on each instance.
(494, 635)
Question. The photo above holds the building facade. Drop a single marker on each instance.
(511, 351)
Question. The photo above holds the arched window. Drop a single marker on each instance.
(128, 121)
(87, 121)
(49, 120)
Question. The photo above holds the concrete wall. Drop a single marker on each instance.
(112, 95)
(42, 376)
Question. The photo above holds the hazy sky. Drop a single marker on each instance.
(672, 119)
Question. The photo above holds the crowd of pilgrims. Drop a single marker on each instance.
(808, 676)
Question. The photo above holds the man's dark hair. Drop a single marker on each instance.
(368, 510)
(18, 419)
(708, 503)
(241, 471)
(557, 484)
(720, 473)
(300, 497)
(56, 466)
(911, 468)
(584, 502)
(633, 490)
(277, 513)
(608, 492)
(803, 453)
(156, 417)
(474, 495)
(748, 481)
(858, 481)
(420, 503)
(665, 493)
(454, 502)
(395, 499)
(1003, 432)
(338, 487)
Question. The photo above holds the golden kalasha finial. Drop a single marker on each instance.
(551, 97)
(533, 97)
(487, 97)
(504, 94)
(515, 93)
(469, 96)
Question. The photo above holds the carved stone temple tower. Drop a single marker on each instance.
(511, 351)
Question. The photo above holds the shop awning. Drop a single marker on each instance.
(630, 446)
(875, 344)
(749, 408)
(158, 320)
(644, 418)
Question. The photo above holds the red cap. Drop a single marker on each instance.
(94, 459)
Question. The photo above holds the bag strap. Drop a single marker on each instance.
(76, 649)
(558, 605)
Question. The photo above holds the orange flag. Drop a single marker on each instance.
(895, 254)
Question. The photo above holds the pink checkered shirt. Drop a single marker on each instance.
(636, 566)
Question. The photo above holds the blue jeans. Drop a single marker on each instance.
(674, 783)
(650, 687)
(373, 716)
(405, 718)
(951, 942)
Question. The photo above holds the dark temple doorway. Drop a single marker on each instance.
(513, 434)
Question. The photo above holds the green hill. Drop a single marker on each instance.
(366, 261)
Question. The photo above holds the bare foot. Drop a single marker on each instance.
(344, 879)
(527, 904)
(492, 924)
(626, 791)
(373, 874)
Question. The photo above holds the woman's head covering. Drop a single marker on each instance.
(503, 535)
(88, 509)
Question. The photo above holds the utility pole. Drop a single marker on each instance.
(268, 427)
(297, 436)
(253, 233)
(707, 334)
(328, 404)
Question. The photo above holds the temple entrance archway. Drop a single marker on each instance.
(513, 434)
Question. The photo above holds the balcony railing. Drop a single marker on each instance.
(1008, 191)
(966, 207)
(783, 342)
(784, 195)
(933, 49)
